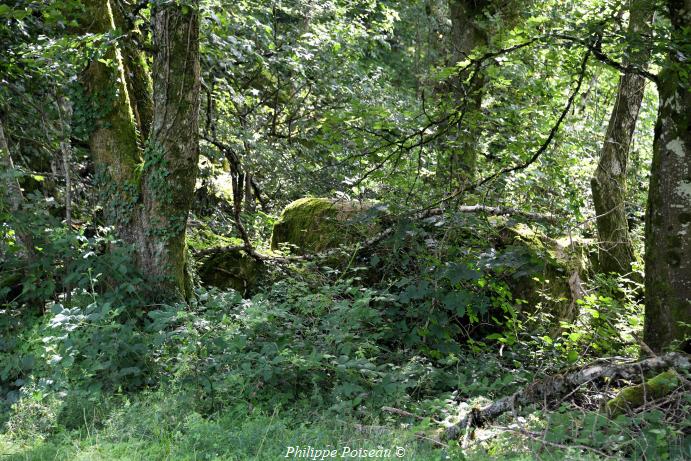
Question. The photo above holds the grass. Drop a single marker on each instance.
(162, 425)
(230, 437)
(156, 426)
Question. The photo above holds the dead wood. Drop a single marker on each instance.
(558, 385)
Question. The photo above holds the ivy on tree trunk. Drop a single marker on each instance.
(172, 154)
(145, 142)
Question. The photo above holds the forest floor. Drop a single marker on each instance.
(153, 430)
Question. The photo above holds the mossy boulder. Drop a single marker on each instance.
(312, 225)
(223, 263)
(548, 272)
(230, 268)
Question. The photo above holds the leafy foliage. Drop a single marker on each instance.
(430, 309)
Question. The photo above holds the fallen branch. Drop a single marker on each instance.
(376, 239)
(506, 211)
(632, 397)
(645, 348)
(558, 385)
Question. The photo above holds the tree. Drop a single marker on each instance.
(13, 191)
(170, 164)
(615, 252)
(145, 145)
(668, 217)
(466, 35)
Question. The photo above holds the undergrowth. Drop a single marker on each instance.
(313, 361)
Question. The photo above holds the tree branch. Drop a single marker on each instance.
(543, 147)
(558, 385)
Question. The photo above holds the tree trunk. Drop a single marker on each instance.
(609, 182)
(146, 147)
(668, 218)
(466, 35)
(249, 195)
(172, 153)
(13, 192)
(114, 143)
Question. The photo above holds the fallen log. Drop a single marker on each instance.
(633, 397)
(561, 384)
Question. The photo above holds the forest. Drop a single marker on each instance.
(345, 229)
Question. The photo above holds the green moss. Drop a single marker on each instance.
(202, 237)
(635, 396)
(547, 282)
(230, 269)
(315, 224)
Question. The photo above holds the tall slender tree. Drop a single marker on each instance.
(668, 217)
(12, 193)
(615, 251)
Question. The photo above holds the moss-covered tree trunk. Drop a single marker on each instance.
(145, 140)
(115, 141)
(668, 217)
(466, 35)
(615, 252)
(172, 153)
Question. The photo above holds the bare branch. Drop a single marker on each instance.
(558, 385)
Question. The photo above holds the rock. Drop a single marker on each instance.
(230, 268)
(312, 225)
(549, 272)
(223, 263)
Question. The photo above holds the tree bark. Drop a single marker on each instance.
(115, 143)
(172, 154)
(668, 217)
(249, 195)
(145, 143)
(609, 182)
(466, 35)
(13, 193)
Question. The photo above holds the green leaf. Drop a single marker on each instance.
(572, 356)
(456, 301)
